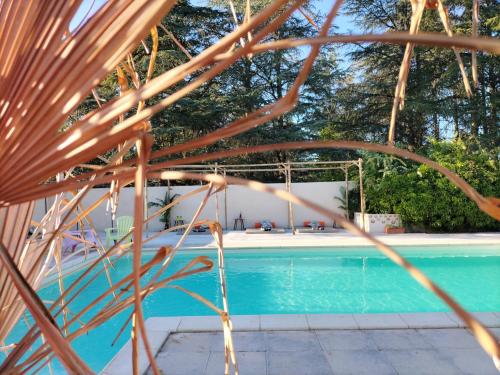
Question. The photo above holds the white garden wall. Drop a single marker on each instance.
(253, 206)
(376, 223)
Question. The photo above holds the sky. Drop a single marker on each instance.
(344, 24)
(89, 7)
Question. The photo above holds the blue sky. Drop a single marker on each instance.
(88, 7)
(344, 23)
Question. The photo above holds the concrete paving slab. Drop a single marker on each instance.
(249, 363)
(291, 341)
(456, 319)
(345, 340)
(449, 338)
(242, 341)
(310, 351)
(330, 321)
(187, 342)
(398, 339)
(371, 321)
(496, 332)
(182, 363)
(245, 322)
(359, 362)
(200, 323)
(288, 322)
(122, 362)
(163, 323)
(429, 320)
(471, 361)
(317, 352)
(310, 362)
(490, 319)
(237, 239)
(421, 362)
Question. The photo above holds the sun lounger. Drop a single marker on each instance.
(310, 230)
(73, 238)
(197, 229)
(260, 231)
(314, 226)
(263, 227)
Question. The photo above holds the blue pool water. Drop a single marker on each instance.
(312, 280)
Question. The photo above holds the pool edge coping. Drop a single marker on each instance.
(159, 328)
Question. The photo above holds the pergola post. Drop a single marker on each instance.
(361, 193)
(146, 204)
(76, 211)
(288, 174)
(346, 170)
(225, 201)
(216, 198)
(169, 190)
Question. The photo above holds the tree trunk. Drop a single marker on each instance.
(435, 117)
(247, 81)
(455, 120)
(435, 123)
(493, 120)
(279, 87)
(474, 127)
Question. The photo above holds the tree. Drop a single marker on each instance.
(161, 203)
(246, 86)
(425, 199)
(435, 105)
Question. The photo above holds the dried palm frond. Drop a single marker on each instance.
(48, 70)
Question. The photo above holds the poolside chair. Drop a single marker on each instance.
(200, 228)
(123, 226)
(314, 226)
(73, 238)
(260, 224)
(264, 226)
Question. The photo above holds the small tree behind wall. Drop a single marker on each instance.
(160, 203)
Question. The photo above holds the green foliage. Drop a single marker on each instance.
(255, 5)
(348, 94)
(424, 198)
(160, 203)
(244, 87)
(354, 204)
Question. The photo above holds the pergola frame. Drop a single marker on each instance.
(286, 169)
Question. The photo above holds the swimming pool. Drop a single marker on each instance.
(304, 280)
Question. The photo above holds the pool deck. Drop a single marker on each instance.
(423, 343)
(449, 351)
(237, 239)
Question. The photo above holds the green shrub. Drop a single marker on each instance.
(424, 198)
